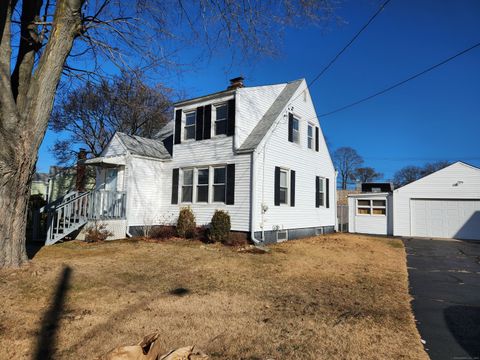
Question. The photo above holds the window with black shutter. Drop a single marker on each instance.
(230, 184)
(178, 126)
(231, 118)
(292, 188)
(175, 186)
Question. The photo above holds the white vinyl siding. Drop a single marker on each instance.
(307, 165)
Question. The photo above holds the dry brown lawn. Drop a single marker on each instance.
(331, 297)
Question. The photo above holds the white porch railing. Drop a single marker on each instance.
(75, 209)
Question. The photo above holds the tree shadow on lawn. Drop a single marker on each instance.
(50, 323)
(464, 324)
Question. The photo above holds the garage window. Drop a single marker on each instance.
(371, 207)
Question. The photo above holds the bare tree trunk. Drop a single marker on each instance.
(25, 106)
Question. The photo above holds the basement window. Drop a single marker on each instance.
(371, 207)
(282, 235)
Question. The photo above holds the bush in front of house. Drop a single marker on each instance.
(237, 239)
(220, 226)
(186, 223)
(162, 232)
(97, 232)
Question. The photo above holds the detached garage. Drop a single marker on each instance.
(445, 204)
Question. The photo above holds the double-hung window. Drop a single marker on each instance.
(219, 177)
(296, 131)
(371, 207)
(321, 192)
(189, 129)
(187, 185)
(310, 136)
(221, 119)
(283, 186)
(202, 185)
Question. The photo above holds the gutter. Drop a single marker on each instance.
(252, 200)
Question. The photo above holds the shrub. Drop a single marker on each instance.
(97, 232)
(203, 233)
(237, 239)
(220, 226)
(162, 232)
(186, 223)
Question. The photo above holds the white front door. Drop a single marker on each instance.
(446, 218)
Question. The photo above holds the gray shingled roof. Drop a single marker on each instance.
(137, 145)
(165, 131)
(266, 122)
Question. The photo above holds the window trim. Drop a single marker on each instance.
(214, 127)
(370, 207)
(197, 184)
(296, 118)
(185, 126)
(312, 138)
(322, 191)
(224, 184)
(183, 185)
(287, 197)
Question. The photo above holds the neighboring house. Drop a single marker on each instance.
(39, 185)
(256, 152)
(444, 204)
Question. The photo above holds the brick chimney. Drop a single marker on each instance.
(236, 83)
(81, 170)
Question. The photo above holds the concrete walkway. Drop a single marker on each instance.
(445, 284)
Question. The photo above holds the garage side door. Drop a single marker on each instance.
(444, 218)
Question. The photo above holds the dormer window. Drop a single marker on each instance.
(189, 129)
(221, 119)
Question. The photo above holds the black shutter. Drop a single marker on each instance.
(317, 132)
(277, 185)
(231, 118)
(207, 122)
(175, 186)
(290, 127)
(317, 191)
(327, 185)
(178, 126)
(292, 188)
(230, 199)
(199, 123)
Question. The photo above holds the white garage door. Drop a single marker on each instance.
(445, 218)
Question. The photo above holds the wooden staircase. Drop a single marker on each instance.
(66, 215)
(72, 211)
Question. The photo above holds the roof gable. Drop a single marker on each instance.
(270, 116)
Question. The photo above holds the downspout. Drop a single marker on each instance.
(252, 200)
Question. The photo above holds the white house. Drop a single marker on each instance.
(257, 152)
(444, 204)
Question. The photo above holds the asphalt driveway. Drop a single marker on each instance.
(445, 284)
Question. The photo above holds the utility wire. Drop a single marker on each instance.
(401, 82)
(349, 43)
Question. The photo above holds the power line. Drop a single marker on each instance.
(401, 82)
(345, 47)
(350, 42)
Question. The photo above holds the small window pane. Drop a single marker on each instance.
(378, 202)
(283, 196)
(203, 176)
(219, 193)
(364, 202)
(189, 132)
(187, 193)
(283, 178)
(310, 131)
(322, 199)
(221, 112)
(321, 185)
(202, 193)
(364, 211)
(190, 119)
(188, 177)
(379, 211)
(295, 124)
(221, 127)
(219, 176)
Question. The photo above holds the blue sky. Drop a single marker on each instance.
(435, 117)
